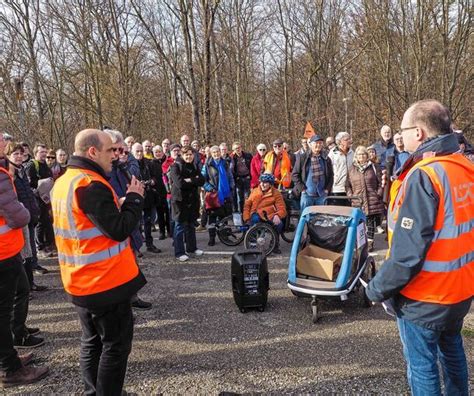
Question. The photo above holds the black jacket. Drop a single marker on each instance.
(35, 171)
(299, 174)
(25, 194)
(248, 159)
(185, 201)
(97, 202)
(156, 172)
(146, 178)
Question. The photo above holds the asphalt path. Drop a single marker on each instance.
(196, 341)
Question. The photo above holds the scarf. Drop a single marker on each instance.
(223, 189)
(361, 168)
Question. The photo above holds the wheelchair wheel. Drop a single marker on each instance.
(288, 234)
(228, 233)
(261, 236)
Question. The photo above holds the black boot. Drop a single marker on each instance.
(212, 236)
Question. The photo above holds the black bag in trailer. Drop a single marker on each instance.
(250, 279)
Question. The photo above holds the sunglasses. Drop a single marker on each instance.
(277, 145)
(51, 157)
(262, 149)
(119, 149)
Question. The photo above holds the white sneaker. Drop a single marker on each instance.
(379, 230)
(183, 258)
(198, 252)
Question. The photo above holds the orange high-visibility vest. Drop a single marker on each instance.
(447, 275)
(269, 164)
(90, 262)
(11, 239)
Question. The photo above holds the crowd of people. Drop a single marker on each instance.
(176, 189)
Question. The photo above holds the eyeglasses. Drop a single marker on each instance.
(119, 149)
(407, 128)
(51, 157)
(262, 149)
(277, 145)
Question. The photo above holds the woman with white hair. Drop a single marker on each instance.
(256, 165)
(365, 181)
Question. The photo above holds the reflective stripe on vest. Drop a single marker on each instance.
(90, 261)
(447, 275)
(4, 229)
(94, 257)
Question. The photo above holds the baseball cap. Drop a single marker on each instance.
(316, 138)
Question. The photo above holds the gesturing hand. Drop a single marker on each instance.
(135, 186)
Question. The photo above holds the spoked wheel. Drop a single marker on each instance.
(230, 234)
(288, 234)
(261, 236)
(315, 309)
(367, 276)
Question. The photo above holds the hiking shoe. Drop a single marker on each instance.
(26, 358)
(33, 330)
(39, 270)
(153, 249)
(197, 252)
(162, 236)
(23, 376)
(140, 304)
(38, 288)
(29, 341)
(183, 258)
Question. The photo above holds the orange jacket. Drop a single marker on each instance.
(271, 202)
(11, 239)
(90, 262)
(447, 275)
(278, 167)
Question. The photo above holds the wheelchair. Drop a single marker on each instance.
(262, 236)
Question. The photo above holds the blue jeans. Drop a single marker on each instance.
(421, 348)
(255, 218)
(184, 232)
(307, 200)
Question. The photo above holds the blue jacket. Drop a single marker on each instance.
(211, 175)
(381, 146)
(409, 248)
(399, 156)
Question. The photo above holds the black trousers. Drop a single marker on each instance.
(163, 214)
(10, 274)
(44, 228)
(106, 342)
(147, 225)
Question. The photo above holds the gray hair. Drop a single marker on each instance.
(385, 128)
(157, 147)
(361, 150)
(341, 135)
(214, 148)
(115, 135)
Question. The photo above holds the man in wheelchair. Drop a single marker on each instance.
(266, 203)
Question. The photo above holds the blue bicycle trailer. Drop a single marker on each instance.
(329, 255)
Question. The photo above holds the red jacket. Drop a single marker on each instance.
(256, 167)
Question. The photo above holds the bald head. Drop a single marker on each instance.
(430, 115)
(89, 138)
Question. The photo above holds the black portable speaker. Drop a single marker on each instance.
(250, 279)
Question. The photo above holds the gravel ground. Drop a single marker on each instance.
(196, 341)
